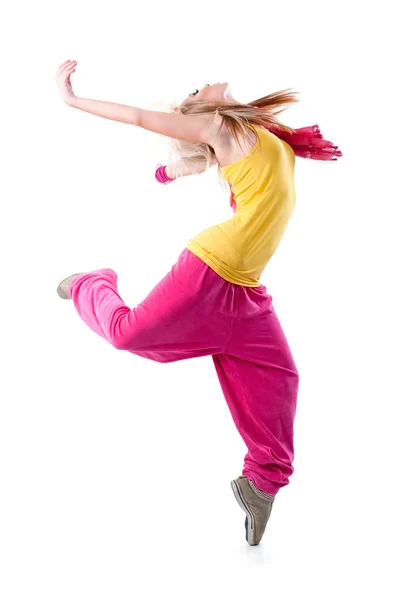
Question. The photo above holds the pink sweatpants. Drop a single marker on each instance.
(195, 312)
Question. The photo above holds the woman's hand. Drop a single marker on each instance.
(168, 175)
(63, 80)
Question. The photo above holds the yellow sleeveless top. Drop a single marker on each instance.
(263, 186)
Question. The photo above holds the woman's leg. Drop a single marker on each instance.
(259, 380)
(189, 313)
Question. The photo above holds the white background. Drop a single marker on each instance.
(115, 471)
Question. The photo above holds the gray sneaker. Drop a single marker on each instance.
(257, 506)
(63, 288)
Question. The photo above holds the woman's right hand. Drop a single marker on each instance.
(63, 80)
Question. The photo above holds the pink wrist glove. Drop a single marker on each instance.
(161, 175)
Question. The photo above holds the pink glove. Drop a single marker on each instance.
(161, 174)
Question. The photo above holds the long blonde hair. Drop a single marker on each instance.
(237, 118)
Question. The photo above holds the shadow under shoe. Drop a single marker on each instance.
(257, 506)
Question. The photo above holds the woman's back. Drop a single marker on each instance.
(262, 183)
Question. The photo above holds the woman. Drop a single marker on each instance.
(211, 302)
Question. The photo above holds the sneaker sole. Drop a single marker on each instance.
(61, 291)
(249, 521)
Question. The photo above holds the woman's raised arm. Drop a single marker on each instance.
(180, 169)
(188, 128)
(181, 127)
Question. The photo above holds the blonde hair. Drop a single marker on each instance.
(237, 118)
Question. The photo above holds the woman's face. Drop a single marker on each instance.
(216, 92)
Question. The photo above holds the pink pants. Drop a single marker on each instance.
(195, 312)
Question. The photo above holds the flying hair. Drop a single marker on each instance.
(238, 119)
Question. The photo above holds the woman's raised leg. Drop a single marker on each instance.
(188, 314)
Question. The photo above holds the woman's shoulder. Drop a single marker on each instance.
(224, 144)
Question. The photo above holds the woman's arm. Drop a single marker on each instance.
(108, 110)
(179, 168)
(188, 128)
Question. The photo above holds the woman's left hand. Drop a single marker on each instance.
(63, 80)
(159, 165)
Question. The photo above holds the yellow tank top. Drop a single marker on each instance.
(263, 186)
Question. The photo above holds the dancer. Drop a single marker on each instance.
(212, 302)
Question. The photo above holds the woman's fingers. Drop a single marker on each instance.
(66, 65)
(66, 74)
(71, 64)
(63, 65)
(63, 78)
